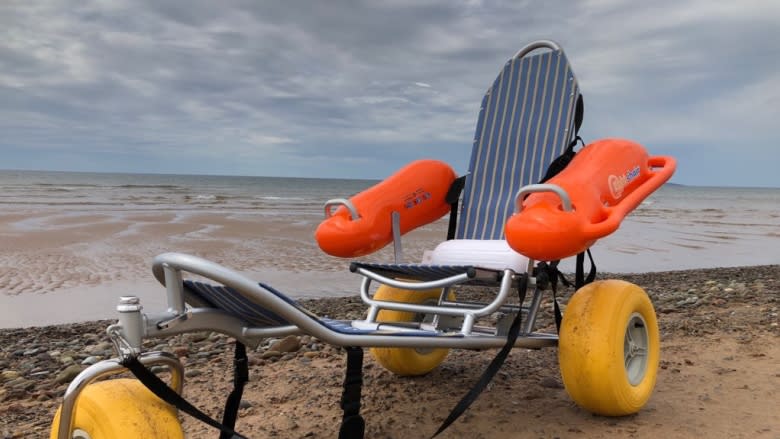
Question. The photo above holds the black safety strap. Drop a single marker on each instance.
(493, 367)
(453, 195)
(548, 272)
(240, 377)
(563, 160)
(162, 391)
(580, 278)
(352, 424)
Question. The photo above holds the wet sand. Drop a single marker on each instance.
(60, 266)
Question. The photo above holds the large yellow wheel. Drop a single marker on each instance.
(121, 409)
(407, 361)
(609, 348)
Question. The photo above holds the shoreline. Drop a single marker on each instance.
(719, 330)
(152, 293)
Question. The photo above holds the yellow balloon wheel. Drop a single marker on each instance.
(121, 409)
(609, 348)
(407, 361)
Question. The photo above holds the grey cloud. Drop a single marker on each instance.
(283, 87)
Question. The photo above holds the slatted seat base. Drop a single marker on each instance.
(232, 302)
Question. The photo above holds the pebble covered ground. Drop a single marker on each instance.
(36, 364)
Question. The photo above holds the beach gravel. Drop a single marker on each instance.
(719, 374)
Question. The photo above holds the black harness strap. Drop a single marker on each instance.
(548, 272)
(490, 371)
(352, 424)
(580, 278)
(453, 195)
(162, 391)
(240, 377)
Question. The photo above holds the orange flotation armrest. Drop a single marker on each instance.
(363, 224)
(603, 183)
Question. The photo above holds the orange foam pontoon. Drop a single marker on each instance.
(363, 224)
(604, 182)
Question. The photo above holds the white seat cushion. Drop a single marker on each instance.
(486, 253)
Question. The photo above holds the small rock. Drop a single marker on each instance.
(99, 348)
(8, 375)
(550, 383)
(244, 404)
(196, 337)
(67, 374)
(92, 359)
(291, 343)
(271, 354)
(20, 383)
(191, 373)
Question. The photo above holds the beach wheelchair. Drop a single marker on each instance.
(527, 201)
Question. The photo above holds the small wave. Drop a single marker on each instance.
(277, 198)
(149, 186)
(207, 198)
(61, 203)
(69, 185)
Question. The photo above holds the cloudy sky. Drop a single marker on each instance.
(356, 89)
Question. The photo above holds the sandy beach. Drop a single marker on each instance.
(719, 374)
(66, 267)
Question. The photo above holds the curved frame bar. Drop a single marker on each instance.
(544, 187)
(539, 44)
(105, 369)
(416, 286)
(468, 314)
(341, 202)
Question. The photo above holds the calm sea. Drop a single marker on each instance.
(82, 191)
(677, 227)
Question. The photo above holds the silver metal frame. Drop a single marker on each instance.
(304, 323)
(134, 325)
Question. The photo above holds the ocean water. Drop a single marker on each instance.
(71, 243)
(83, 192)
(676, 227)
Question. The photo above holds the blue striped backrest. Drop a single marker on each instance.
(525, 122)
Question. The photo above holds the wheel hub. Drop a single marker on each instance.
(635, 345)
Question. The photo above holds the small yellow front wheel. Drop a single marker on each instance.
(407, 361)
(121, 409)
(609, 348)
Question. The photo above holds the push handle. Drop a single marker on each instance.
(341, 202)
(545, 187)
